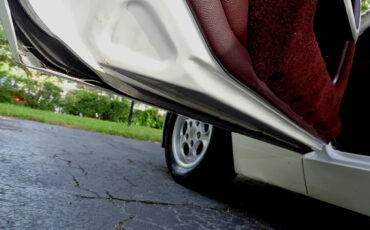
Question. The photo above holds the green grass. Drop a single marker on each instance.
(90, 124)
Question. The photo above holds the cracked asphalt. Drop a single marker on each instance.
(54, 177)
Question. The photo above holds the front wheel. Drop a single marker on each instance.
(197, 151)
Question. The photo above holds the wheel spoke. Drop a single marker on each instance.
(204, 138)
(194, 149)
(188, 122)
(182, 140)
(194, 153)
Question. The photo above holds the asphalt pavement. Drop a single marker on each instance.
(55, 177)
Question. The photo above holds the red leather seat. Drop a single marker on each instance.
(271, 47)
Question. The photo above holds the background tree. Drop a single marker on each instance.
(365, 5)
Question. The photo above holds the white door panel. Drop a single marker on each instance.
(268, 163)
(339, 178)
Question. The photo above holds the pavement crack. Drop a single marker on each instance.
(129, 181)
(111, 198)
(69, 163)
(89, 197)
(84, 172)
(120, 224)
(76, 182)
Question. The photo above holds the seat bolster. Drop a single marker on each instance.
(236, 12)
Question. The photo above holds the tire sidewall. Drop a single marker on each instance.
(216, 163)
(176, 170)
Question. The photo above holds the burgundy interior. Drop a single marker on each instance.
(271, 47)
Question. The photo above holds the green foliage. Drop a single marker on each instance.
(48, 97)
(16, 81)
(118, 111)
(35, 94)
(149, 118)
(5, 53)
(365, 5)
(5, 95)
(90, 104)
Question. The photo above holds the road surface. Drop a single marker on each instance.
(54, 177)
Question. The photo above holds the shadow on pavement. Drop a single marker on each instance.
(281, 208)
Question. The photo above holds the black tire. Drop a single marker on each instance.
(216, 166)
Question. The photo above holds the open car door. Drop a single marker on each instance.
(273, 70)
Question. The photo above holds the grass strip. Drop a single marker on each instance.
(90, 124)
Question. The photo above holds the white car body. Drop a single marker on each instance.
(161, 50)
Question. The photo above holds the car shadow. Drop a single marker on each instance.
(281, 208)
